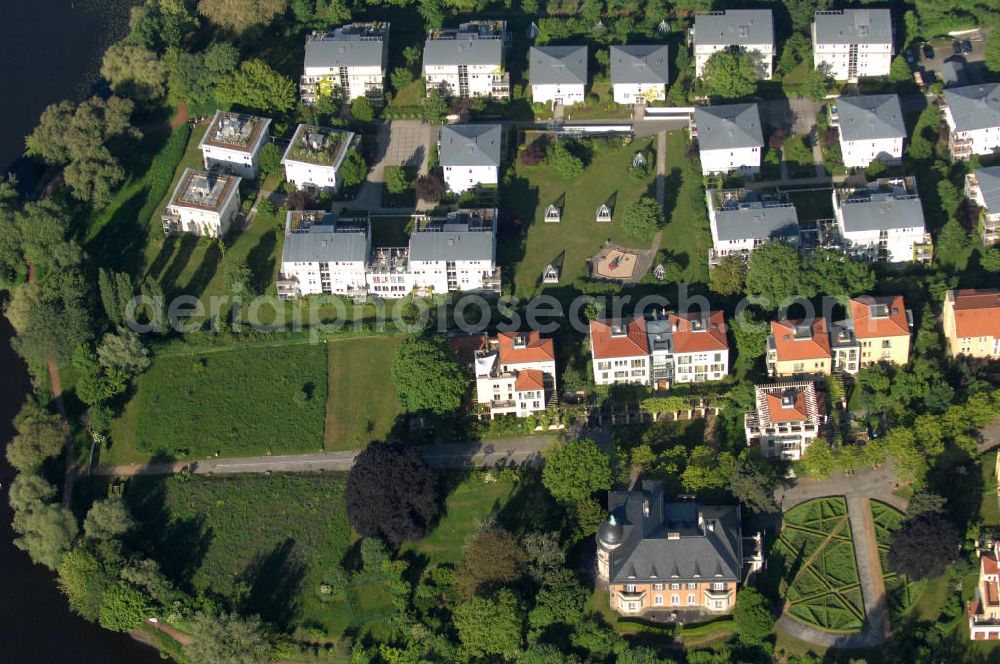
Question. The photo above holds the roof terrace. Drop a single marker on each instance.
(203, 189)
(317, 145)
(235, 131)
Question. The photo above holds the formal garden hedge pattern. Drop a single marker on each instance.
(821, 583)
(900, 591)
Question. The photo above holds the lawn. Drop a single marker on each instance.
(573, 241)
(234, 402)
(990, 508)
(466, 508)
(821, 574)
(901, 593)
(604, 108)
(275, 537)
(686, 234)
(362, 399)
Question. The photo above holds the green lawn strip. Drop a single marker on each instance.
(280, 534)
(604, 108)
(686, 235)
(470, 504)
(362, 397)
(990, 507)
(574, 240)
(248, 401)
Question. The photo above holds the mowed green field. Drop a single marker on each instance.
(362, 399)
(686, 236)
(466, 508)
(577, 237)
(234, 402)
(276, 536)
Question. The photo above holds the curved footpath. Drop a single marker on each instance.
(860, 490)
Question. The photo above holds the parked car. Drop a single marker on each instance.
(956, 46)
(909, 56)
(928, 52)
(966, 46)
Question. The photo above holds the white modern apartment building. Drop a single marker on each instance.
(470, 155)
(729, 138)
(747, 30)
(557, 74)
(204, 203)
(982, 186)
(314, 155)
(973, 116)
(639, 72)
(467, 61)
(666, 350)
(851, 43)
(324, 254)
(348, 62)
(687, 348)
(883, 221)
(871, 127)
(786, 419)
(456, 252)
(232, 143)
(743, 219)
(514, 372)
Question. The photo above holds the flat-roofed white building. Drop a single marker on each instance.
(467, 61)
(324, 254)
(470, 155)
(232, 143)
(852, 43)
(348, 62)
(639, 72)
(557, 74)
(871, 127)
(314, 155)
(747, 30)
(973, 116)
(204, 203)
(729, 138)
(883, 221)
(982, 186)
(742, 220)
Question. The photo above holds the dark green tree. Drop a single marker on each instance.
(491, 627)
(643, 219)
(753, 616)
(775, 274)
(731, 75)
(493, 558)
(227, 638)
(576, 470)
(427, 375)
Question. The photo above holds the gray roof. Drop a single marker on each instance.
(734, 27)
(324, 243)
(562, 65)
(462, 52)
(953, 73)
(470, 145)
(881, 211)
(989, 183)
(729, 126)
(974, 106)
(869, 117)
(640, 63)
(757, 221)
(346, 51)
(700, 553)
(449, 245)
(854, 26)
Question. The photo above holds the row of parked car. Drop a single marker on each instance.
(959, 46)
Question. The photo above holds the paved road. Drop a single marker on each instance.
(507, 451)
(859, 489)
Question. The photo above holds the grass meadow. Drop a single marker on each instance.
(233, 402)
(362, 399)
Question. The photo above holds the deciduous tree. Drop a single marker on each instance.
(753, 616)
(227, 638)
(391, 493)
(576, 470)
(493, 558)
(775, 275)
(108, 519)
(46, 533)
(40, 436)
(643, 219)
(361, 110)
(258, 87)
(353, 170)
(123, 351)
(430, 187)
(731, 75)
(727, 278)
(123, 607)
(924, 546)
(83, 580)
(491, 627)
(564, 163)
(427, 375)
(134, 71)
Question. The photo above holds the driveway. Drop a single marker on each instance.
(944, 52)
(525, 451)
(860, 489)
(399, 143)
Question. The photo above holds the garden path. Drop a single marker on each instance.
(646, 256)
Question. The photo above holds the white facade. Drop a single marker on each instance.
(898, 243)
(502, 395)
(859, 154)
(565, 94)
(746, 30)
(467, 61)
(629, 370)
(459, 179)
(314, 155)
(745, 160)
(322, 254)
(884, 221)
(631, 93)
(852, 43)
(203, 204)
(233, 143)
(973, 116)
(467, 80)
(348, 62)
